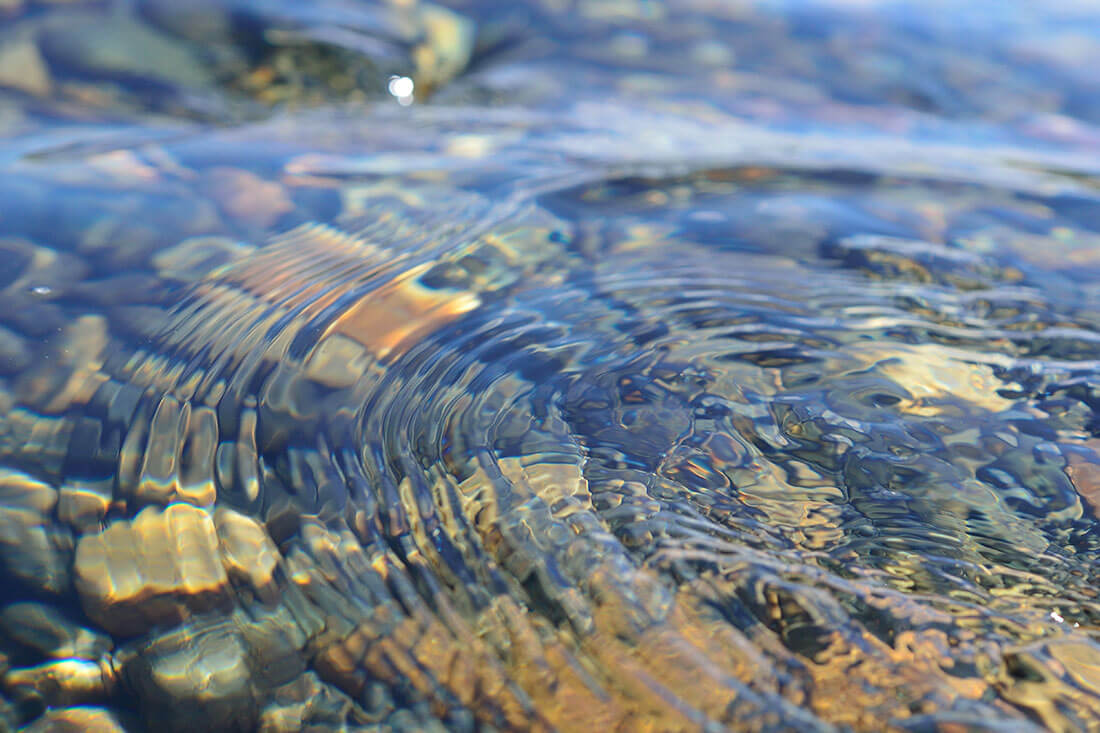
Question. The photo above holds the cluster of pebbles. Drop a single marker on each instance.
(182, 605)
(167, 600)
(218, 61)
(182, 561)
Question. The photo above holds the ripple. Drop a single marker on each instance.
(521, 472)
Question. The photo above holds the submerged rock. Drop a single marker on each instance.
(248, 198)
(33, 276)
(77, 720)
(214, 672)
(68, 376)
(83, 507)
(249, 555)
(192, 258)
(50, 634)
(157, 569)
(119, 45)
(599, 406)
(62, 683)
(199, 20)
(194, 679)
(305, 702)
(15, 356)
(22, 66)
(32, 547)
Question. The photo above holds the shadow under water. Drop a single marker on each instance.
(594, 365)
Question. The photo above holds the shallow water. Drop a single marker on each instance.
(606, 364)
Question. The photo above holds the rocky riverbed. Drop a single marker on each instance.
(608, 364)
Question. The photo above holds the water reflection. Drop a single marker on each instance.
(611, 364)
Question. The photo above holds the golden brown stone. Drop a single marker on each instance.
(248, 554)
(1081, 662)
(156, 569)
(1083, 470)
(337, 362)
(62, 683)
(177, 458)
(159, 478)
(77, 720)
(18, 490)
(1055, 680)
(82, 507)
(400, 312)
(196, 469)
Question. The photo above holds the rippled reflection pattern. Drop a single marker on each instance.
(604, 365)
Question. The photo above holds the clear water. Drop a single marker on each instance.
(591, 365)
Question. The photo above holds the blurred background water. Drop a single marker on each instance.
(559, 364)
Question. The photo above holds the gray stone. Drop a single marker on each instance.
(50, 634)
(70, 375)
(119, 44)
(199, 20)
(14, 354)
(36, 274)
(32, 548)
(35, 552)
(275, 648)
(196, 677)
(22, 66)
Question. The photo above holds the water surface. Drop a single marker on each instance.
(606, 364)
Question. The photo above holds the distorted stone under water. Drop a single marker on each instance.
(587, 365)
